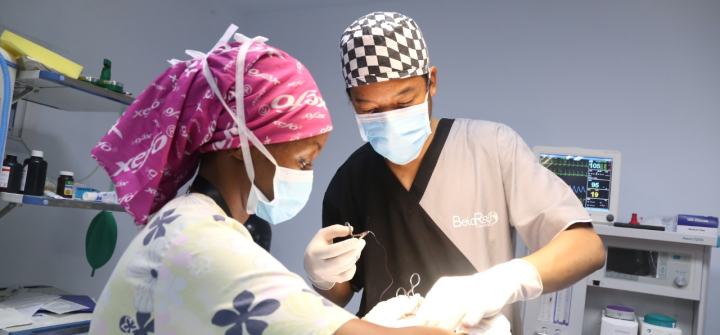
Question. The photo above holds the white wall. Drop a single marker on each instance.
(640, 77)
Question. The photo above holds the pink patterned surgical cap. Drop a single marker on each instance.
(155, 146)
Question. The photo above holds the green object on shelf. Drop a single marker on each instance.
(100, 240)
(112, 85)
(105, 74)
(105, 80)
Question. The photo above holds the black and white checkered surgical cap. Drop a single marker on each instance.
(382, 46)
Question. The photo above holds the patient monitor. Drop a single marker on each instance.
(593, 175)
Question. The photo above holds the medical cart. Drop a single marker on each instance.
(645, 270)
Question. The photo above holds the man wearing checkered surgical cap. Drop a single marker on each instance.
(444, 197)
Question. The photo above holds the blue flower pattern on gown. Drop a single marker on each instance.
(244, 313)
(157, 229)
(142, 326)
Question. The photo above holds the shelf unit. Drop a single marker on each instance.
(23, 199)
(60, 92)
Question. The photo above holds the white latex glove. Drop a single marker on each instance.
(392, 312)
(497, 324)
(327, 263)
(469, 299)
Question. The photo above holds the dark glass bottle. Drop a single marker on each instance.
(34, 173)
(11, 175)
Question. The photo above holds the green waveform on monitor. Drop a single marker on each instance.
(566, 163)
(570, 173)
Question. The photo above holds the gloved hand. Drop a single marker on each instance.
(393, 312)
(327, 263)
(469, 299)
(494, 325)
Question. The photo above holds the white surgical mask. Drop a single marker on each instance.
(397, 135)
(291, 187)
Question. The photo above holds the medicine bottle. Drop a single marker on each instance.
(66, 184)
(11, 175)
(34, 173)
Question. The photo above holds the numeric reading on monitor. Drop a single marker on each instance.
(589, 177)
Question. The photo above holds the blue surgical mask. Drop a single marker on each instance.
(292, 190)
(291, 187)
(397, 135)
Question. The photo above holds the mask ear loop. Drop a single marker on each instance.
(427, 101)
(238, 115)
(243, 132)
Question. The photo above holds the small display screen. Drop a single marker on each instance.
(589, 177)
(642, 263)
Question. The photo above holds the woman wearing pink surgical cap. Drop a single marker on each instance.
(195, 268)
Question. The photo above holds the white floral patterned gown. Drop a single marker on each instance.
(193, 270)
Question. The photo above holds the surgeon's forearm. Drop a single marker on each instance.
(353, 327)
(571, 256)
(340, 293)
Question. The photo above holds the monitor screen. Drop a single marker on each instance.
(643, 263)
(589, 177)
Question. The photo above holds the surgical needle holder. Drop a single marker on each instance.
(361, 235)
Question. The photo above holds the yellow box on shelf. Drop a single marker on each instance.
(18, 46)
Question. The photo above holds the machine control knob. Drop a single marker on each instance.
(681, 281)
(544, 331)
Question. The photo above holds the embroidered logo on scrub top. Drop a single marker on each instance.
(478, 220)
